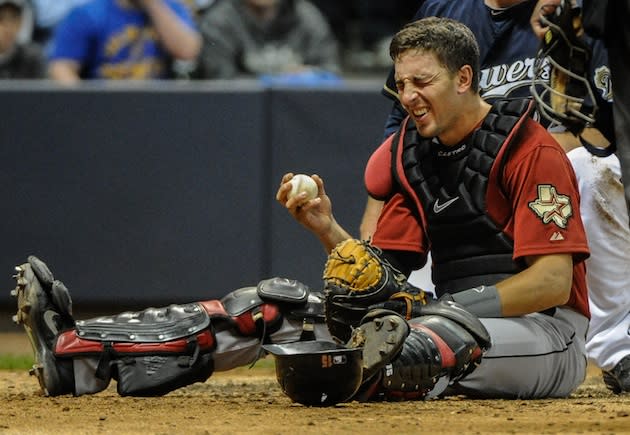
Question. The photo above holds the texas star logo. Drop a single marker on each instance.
(551, 206)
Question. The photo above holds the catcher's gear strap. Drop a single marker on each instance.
(69, 344)
(259, 311)
(158, 375)
(275, 290)
(413, 299)
(270, 301)
(145, 369)
(250, 314)
(152, 325)
(597, 151)
(460, 315)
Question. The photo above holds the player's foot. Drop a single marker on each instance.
(381, 335)
(617, 379)
(44, 309)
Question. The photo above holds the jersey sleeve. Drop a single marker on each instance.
(398, 229)
(72, 37)
(545, 200)
(378, 173)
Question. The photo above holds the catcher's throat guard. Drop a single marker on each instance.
(560, 87)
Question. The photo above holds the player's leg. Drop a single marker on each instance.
(534, 356)
(154, 351)
(604, 213)
(419, 358)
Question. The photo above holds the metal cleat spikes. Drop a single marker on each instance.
(14, 293)
(393, 323)
(19, 273)
(382, 339)
(378, 324)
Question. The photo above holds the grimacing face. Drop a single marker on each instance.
(428, 92)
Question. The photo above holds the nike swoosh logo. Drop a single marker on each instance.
(438, 208)
(49, 320)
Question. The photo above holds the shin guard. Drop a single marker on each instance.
(149, 353)
(422, 358)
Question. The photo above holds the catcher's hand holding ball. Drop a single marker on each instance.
(301, 183)
(298, 191)
(316, 213)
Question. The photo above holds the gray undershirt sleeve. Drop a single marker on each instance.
(482, 301)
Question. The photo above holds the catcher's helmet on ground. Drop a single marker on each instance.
(566, 98)
(317, 373)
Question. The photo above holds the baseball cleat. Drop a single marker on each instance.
(37, 296)
(617, 379)
(381, 335)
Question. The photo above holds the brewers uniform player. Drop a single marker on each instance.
(605, 216)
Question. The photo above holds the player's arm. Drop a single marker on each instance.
(178, 37)
(544, 284)
(378, 182)
(64, 71)
(370, 217)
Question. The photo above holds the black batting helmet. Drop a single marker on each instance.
(317, 373)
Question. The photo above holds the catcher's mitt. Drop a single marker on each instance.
(357, 278)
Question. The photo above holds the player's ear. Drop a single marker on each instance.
(464, 79)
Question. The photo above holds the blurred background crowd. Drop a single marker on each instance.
(311, 40)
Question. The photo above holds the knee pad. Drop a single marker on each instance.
(443, 345)
(436, 347)
(259, 311)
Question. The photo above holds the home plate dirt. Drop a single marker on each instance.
(250, 401)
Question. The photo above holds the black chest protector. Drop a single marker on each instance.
(468, 248)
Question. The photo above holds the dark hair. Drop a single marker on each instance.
(452, 43)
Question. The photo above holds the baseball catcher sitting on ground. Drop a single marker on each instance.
(157, 350)
(492, 196)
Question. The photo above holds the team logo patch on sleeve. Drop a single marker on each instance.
(551, 206)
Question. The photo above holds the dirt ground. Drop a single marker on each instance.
(250, 401)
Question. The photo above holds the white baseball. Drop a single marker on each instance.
(303, 183)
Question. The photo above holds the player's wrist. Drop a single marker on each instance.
(483, 301)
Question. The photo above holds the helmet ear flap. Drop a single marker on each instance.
(560, 87)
